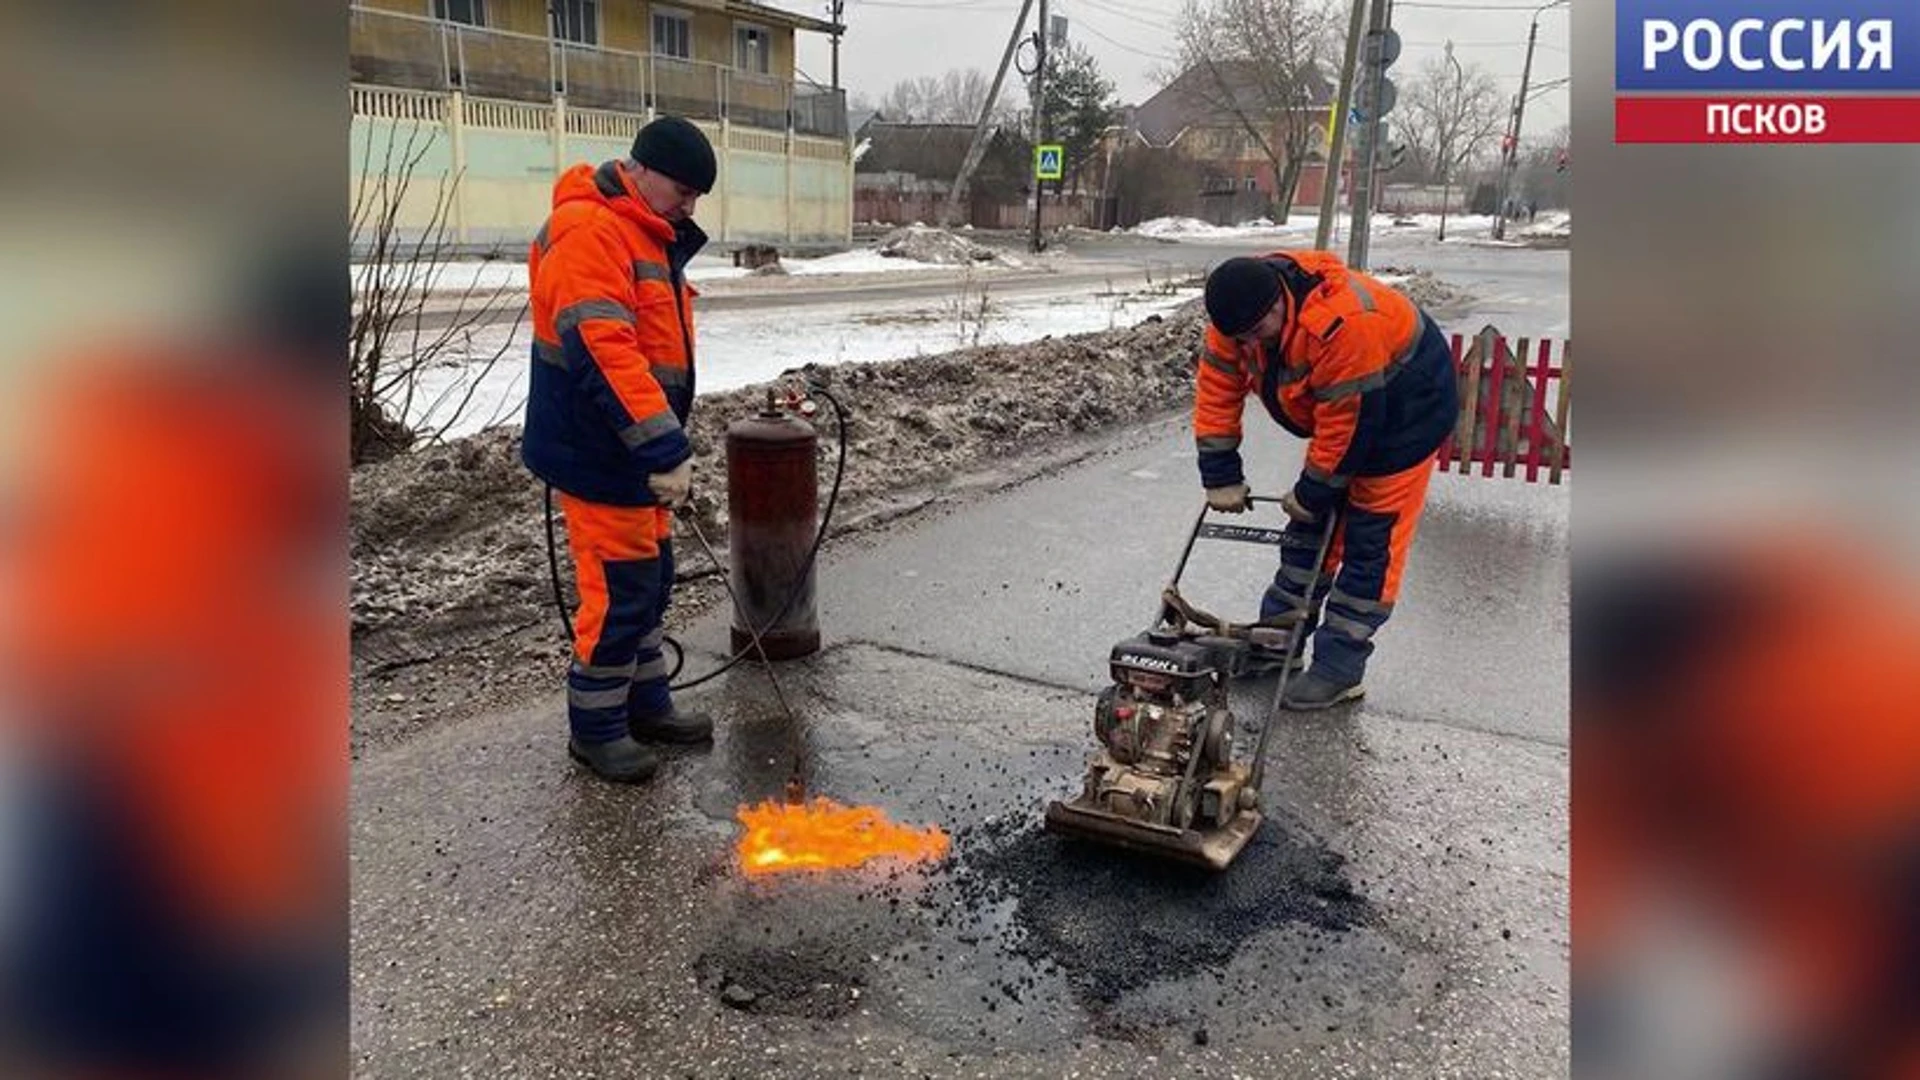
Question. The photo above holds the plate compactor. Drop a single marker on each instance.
(1165, 781)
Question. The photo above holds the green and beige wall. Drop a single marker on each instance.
(485, 168)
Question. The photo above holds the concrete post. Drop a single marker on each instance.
(726, 177)
(792, 230)
(457, 149)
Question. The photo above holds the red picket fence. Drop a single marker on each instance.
(1506, 419)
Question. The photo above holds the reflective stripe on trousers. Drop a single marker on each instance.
(1365, 564)
(623, 567)
(1288, 592)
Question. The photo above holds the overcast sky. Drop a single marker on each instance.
(891, 40)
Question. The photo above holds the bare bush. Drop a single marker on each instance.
(404, 324)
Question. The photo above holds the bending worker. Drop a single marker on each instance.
(611, 389)
(1365, 376)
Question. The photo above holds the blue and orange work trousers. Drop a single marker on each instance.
(1360, 579)
(623, 564)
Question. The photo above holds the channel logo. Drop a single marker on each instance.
(1806, 71)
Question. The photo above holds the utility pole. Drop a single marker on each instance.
(1452, 122)
(1337, 135)
(1382, 49)
(838, 8)
(1039, 115)
(975, 149)
(1510, 152)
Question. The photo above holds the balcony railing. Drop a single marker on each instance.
(410, 51)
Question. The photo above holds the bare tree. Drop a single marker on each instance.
(1258, 67)
(1150, 182)
(407, 330)
(906, 100)
(1450, 115)
(953, 98)
(1545, 179)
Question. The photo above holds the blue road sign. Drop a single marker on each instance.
(1049, 162)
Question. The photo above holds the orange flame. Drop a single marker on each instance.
(823, 835)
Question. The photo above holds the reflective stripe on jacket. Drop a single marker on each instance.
(1360, 372)
(611, 380)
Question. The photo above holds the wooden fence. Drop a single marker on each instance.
(1514, 407)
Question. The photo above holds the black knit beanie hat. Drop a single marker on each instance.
(677, 149)
(1240, 292)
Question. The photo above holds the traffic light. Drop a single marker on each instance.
(1561, 165)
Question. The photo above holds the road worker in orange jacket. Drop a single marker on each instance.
(1365, 376)
(611, 389)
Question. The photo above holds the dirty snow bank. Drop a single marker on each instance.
(449, 555)
(1438, 297)
(923, 243)
(447, 542)
(1186, 228)
(1550, 225)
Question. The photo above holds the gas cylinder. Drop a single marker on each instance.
(772, 509)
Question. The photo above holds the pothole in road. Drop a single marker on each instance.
(1021, 938)
(816, 984)
(1116, 922)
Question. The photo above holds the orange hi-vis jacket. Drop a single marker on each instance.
(1359, 371)
(612, 368)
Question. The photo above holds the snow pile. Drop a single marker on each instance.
(1551, 224)
(1176, 227)
(1186, 228)
(872, 261)
(921, 243)
(1437, 297)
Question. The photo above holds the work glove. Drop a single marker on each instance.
(1232, 499)
(1298, 513)
(672, 488)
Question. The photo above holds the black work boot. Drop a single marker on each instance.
(622, 760)
(672, 726)
(1319, 690)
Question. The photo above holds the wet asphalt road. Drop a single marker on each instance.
(1402, 913)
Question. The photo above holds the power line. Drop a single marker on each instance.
(1095, 31)
(1464, 7)
(1143, 10)
(1482, 44)
(1108, 9)
(970, 6)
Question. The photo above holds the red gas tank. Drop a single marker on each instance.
(773, 503)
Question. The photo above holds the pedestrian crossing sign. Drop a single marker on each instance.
(1047, 161)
